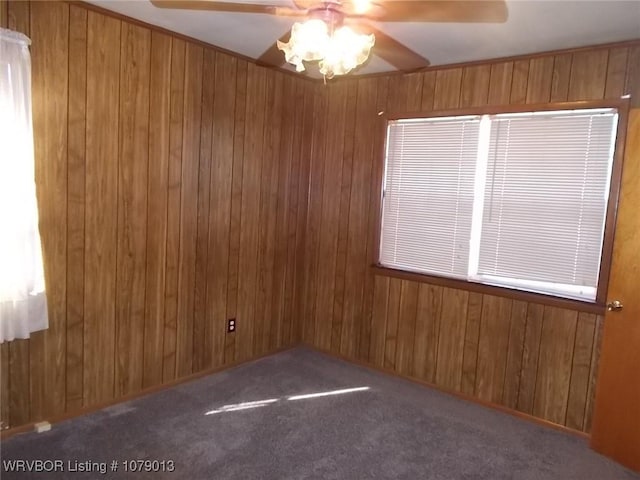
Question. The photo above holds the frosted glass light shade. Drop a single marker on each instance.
(338, 52)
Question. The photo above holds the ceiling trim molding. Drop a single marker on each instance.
(487, 61)
(150, 26)
(491, 61)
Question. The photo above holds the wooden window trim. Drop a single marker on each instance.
(599, 305)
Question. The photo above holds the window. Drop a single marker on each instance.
(23, 303)
(517, 200)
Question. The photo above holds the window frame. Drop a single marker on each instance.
(598, 305)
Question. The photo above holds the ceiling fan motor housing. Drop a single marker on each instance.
(329, 13)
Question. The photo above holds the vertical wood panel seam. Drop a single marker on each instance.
(318, 235)
(524, 341)
(606, 73)
(437, 332)
(348, 204)
(117, 197)
(238, 207)
(146, 243)
(195, 363)
(475, 370)
(164, 303)
(216, 64)
(146, 230)
(66, 290)
(66, 299)
(573, 353)
(84, 222)
(571, 64)
(535, 382)
(506, 357)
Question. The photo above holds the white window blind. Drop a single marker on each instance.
(517, 200)
(428, 195)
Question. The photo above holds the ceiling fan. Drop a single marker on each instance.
(339, 33)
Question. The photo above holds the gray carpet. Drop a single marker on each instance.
(393, 430)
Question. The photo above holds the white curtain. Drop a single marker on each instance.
(23, 305)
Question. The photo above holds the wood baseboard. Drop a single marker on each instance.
(158, 388)
(29, 427)
(470, 398)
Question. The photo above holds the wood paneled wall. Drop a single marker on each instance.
(180, 186)
(172, 184)
(537, 359)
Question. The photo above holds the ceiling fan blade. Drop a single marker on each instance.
(395, 53)
(273, 56)
(460, 11)
(228, 7)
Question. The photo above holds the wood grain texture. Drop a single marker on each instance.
(616, 423)
(379, 321)
(286, 209)
(518, 354)
(453, 321)
(220, 195)
(475, 86)
(554, 364)
(337, 311)
(158, 185)
(355, 269)
(530, 356)
(593, 374)
(427, 332)
(382, 88)
(515, 352)
(103, 88)
(192, 191)
(140, 156)
(580, 369)
(133, 160)
(188, 207)
(493, 345)
(174, 183)
(588, 75)
(265, 326)
(560, 77)
(616, 72)
(202, 332)
(471, 344)
(539, 82)
(447, 89)
(50, 111)
(407, 327)
(329, 215)
(393, 320)
(4, 15)
(250, 209)
(76, 145)
(236, 204)
(519, 81)
(18, 16)
(632, 82)
(314, 207)
(500, 83)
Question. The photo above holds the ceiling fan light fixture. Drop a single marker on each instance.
(361, 6)
(338, 51)
(346, 50)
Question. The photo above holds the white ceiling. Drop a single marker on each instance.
(532, 26)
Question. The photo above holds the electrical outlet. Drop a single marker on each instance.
(231, 325)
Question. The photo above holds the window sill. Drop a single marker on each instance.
(514, 294)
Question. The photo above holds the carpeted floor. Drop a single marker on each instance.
(394, 429)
